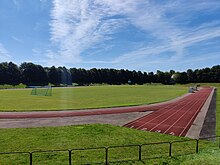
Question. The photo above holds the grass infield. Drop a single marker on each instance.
(88, 97)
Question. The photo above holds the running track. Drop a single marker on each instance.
(70, 113)
(175, 118)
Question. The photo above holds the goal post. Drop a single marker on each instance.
(41, 90)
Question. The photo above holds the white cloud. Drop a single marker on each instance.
(152, 55)
(79, 25)
(16, 39)
(171, 37)
(4, 54)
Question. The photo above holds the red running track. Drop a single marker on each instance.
(175, 118)
(51, 114)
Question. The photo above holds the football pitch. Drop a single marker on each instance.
(88, 97)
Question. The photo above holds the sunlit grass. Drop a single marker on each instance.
(88, 97)
(70, 137)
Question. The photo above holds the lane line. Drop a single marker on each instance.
(166, 113)
(200, 97)
(164, 106)
(194, 116)
(184, 114)
(182, 108)
(163, 112)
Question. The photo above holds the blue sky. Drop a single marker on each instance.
(122, 34)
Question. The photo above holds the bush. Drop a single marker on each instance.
(7, 86)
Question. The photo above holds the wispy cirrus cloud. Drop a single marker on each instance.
(171, 35)
(16, 39)
(4, 54)
(79, 25)
(153, 54)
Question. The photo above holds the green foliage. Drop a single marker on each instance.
(9, 73)
(6, 86)
(32, 74)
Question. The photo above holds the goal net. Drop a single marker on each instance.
(42, 90)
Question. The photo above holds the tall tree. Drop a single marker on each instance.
(33, 74)
(13, 74)
(3, 71)
(53, 76)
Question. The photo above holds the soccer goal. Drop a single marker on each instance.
(42, 90)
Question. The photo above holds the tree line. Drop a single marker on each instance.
(32, 74)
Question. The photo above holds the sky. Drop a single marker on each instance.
(145, 35)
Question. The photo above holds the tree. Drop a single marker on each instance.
(176, 77)
(167, 78)
(160, 77)
(33, 74)
(152, 77)
(191, 78)
(216, 73)
(74, 75)
(14, 74)
(53, 76)
(180, 78)
(3, 70)
(66, 77)
(183, 77)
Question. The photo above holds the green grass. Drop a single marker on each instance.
(88, 97)
(218, 110)
(94, 135)
(97, 135)
(206, 157)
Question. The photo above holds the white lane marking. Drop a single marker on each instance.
(172, 133)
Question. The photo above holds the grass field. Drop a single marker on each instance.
(68, 137)
(88, 97)
(97, 135)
